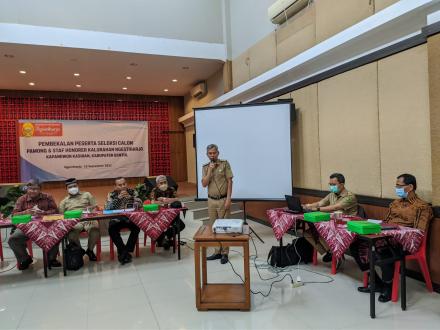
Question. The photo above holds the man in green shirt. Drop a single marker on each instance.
(81, 200)
(339, 199)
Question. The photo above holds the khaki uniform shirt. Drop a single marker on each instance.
(411, 212)
(347, 199)
(78, 202)
(218, 183)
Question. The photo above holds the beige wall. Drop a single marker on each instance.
(217, 85)
(371, 124)
(381, 4)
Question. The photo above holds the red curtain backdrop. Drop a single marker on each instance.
(14, 108)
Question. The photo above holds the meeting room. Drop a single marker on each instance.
(221, 164)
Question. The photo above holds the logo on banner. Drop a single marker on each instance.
(41, 129)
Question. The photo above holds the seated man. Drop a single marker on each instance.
(410, 211)
(339, 199)
(81, 200)
(163, 194)
(120, 198)
(34, 202)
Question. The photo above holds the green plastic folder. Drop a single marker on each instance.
(151, 207)
(73, 214)
(316, 216)
(363, 227)
(24, 218)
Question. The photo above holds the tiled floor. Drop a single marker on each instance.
(157, 292)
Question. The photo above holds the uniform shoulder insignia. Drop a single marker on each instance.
(205, 164)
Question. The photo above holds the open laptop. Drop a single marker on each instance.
(294, 204)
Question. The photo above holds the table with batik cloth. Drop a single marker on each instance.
(337, 236)
(47, 234)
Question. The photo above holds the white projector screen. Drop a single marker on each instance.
(256, 140)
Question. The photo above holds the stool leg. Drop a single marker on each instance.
(29, 247)
(334, 262)
(112, 250)
(1, 247)
(396, 281)
(145, 239)
(365, 279)
(315, 257)
(137, 249)
(153, 246)
(98, 249)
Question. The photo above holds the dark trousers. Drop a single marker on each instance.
(172, 230)
(114, 229)
(357, 248)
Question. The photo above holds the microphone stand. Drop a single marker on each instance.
(251, 231)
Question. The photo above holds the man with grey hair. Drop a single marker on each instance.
(165, 194)
(35, 203)
(217, 177)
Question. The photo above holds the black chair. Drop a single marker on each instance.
(361, 212)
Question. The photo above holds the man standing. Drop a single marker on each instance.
(81, 200)
(217, 176)
(120, 198)
(34, 202)
(339, 199)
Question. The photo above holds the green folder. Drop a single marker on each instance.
(73, 214)
(24, 218)
(151, 207)
(316, 216)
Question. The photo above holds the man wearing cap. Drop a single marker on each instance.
(34, 202)
(217, 176)
(81, 200)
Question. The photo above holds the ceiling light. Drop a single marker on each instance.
(174, 80)
(79, 86)
(76, 74)
(22, 72)
(165, 90)
(128, 78)
(124, 88)
(32, 84)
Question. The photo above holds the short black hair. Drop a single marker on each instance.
(119, 178)
(408, 179)
(338, 176)
(33, 183)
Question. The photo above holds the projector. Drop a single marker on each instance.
(228, 226)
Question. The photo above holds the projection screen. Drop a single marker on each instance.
(256, 140)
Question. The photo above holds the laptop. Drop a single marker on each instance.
(294, 204)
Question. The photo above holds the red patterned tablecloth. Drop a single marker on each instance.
(337, 236)
(46, 234)
(154, 224)
(282, 221)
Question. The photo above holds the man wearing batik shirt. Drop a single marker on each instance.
(164, 194)
(120, 198)
(36, 203)
(409, 211)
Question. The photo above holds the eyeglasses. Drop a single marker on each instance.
(400, 185)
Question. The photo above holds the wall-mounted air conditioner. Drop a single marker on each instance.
(199, 90)
(281, 10)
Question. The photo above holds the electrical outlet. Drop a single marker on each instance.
(297, 284)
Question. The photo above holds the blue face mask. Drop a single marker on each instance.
(334, 188)
(400, 192)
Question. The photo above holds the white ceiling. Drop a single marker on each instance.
(52, 69)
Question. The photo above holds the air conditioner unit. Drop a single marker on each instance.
(199, 90)
(282, 10)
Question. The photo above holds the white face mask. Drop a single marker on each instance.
(73, 190)
(163, 187)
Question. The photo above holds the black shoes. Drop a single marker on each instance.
(91, 255)
(224, 259)
(367, 289)
(55, 263)
(386, 293)
(166, 244)
(327, 257)
(124, 257)
(215, 256)
(25, 264)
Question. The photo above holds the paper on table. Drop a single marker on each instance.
(375, 221)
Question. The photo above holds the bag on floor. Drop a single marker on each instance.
(291, 254)
(74, 256)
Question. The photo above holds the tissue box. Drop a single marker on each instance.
(73, 214)
(316, 216)
(24, 218)
(151, 207)
(363, 227)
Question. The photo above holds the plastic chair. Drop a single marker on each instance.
(334, 262)
(420, 256)
(112, 247)
(85, 234)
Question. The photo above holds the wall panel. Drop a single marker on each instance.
(262, 56)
